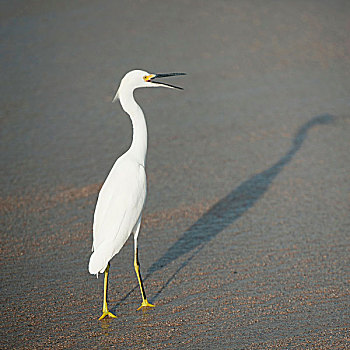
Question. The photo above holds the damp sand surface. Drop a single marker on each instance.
(245, 234)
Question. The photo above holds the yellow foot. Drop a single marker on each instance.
(145, 303)
(107, 313)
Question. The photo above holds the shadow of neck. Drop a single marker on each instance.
(228, 209)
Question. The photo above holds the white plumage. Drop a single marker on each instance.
(118, 210)
(121, 199)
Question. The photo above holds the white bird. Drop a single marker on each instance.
(122, 197)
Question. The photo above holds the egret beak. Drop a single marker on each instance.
(162, 75)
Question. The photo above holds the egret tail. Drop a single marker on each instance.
(100, 258)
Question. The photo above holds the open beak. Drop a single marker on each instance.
(164, 75)
(151, 79)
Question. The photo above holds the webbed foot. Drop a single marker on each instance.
(145, 303)
(106, 313)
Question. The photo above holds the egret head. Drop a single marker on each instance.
(139, 78)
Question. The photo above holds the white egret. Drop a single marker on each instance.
(121, 199)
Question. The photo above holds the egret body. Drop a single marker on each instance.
(122, 197)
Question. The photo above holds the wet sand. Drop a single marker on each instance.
(245, 237)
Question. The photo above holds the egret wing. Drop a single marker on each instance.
(119, 204)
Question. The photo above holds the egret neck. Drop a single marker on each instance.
(138, 148)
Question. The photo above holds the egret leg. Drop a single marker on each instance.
(139, 278)
(105, 311)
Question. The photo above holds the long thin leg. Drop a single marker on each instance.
(105, 311)
(139, 278)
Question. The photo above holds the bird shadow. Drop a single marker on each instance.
(228, 209)
(231, 207)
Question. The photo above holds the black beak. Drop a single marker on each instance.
(165, 75)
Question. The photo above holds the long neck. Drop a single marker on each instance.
(138, 148)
